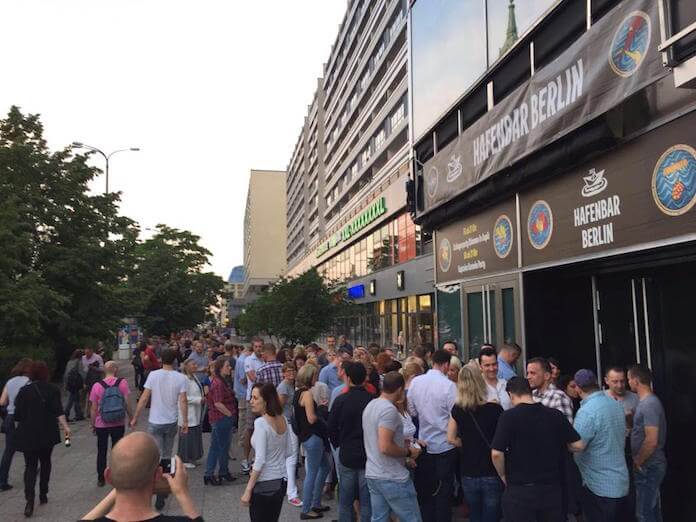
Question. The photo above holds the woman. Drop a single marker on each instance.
(555, 369)
(300, 360)
(222, 411)
(19, 377)
(312, 435)
(74, 382)
(474, 421)
(567, 384)
(454, 368)
(191, 443)
(286, 395)
(272, 446)
(38, 412)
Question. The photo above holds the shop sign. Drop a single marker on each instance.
(373, 212)
(641, 192)
(484, 243)
(614, 59)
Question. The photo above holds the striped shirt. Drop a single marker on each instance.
(270, 372)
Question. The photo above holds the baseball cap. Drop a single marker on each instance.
(585, 378)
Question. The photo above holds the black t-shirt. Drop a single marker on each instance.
(534, 440)
(475, 453)
(160, 518)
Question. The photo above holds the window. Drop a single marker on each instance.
(379, 139)
(365, 157)
(398, 115)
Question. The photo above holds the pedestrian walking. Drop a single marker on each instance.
(222, 412)
(472, 425)
(74, 384)
(528, 451)
(286, 396)
(109, 403)
(272, 445)
(38, 413)
(386, 450)
(191, 443)
(601, 424)
(19, 377)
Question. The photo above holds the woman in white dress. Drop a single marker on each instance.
(191, 443)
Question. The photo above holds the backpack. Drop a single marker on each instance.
(112, 407)
(74, 381)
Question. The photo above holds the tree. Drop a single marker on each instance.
(296, 310)
(169, 285)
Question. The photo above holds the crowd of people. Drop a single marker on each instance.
(404, 440)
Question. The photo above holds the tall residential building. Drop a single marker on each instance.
(346, 194)
(264, 232)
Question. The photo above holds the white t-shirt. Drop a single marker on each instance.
(251, 363)
(165, 386)
(272, 450)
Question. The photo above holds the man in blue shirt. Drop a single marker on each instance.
(601, 423)
(329, 373)
(507, 357)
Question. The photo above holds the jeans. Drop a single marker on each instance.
(648, 482)
(218, 455)
(434, 481)
(483, 496)
(164, 435)
(351, 485)
(74, 400)
(31, 461)
(534, 503)
(9, 452)
(600, 509)
(266, 508)
(388, 496)
(139, 377)
(103, 435)
(317, 468)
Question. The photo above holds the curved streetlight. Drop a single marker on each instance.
(107, 157)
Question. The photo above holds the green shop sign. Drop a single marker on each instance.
(375, 210)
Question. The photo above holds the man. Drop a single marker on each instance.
(615, 379)
(430, 398)
(528, 451)
(346, 434)
(90, 358)
(168, 391)
(388, 479)
(545, 392)
(251, 365)
(601, 424)
(507, 358)
(343, 343)
(330, 343)
(450, 347)
(134, 471)
(648, 437)
(240, 390)
(329, 374)
(199, 356)
(495, 387)
(105, 428)
(272, 370)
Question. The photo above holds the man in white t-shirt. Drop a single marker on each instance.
(167, 388)
(495, 386)
(251, 365)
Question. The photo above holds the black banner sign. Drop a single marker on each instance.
(614, 59)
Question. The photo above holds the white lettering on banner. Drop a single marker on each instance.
(469, 267)
(598, 236)
(597, 211)
(549, 101)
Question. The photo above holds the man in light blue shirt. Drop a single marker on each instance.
(329, 373)
(507, 357)
(601, 423)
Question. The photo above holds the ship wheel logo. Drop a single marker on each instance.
(630, 44)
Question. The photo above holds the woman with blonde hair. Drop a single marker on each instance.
(474, 420)
(454, 367)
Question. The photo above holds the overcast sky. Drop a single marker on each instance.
(207, 88)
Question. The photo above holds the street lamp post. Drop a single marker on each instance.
(106, 156)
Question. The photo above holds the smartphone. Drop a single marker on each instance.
(414, 444)
(172, 467)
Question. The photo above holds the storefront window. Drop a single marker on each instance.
(449, 310)
(509, 315)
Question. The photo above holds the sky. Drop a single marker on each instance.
(208, 90)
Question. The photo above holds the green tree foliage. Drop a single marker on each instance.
(296, 310)
(171, 289)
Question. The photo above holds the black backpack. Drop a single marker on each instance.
(74, 381)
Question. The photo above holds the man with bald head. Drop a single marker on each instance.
(114, 425)
(134, 472)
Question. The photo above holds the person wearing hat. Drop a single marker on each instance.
(601, 423)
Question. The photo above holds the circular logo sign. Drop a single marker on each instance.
(445, 254)
(432, 181)
(502, 236)
(630, 44)
(540, 224)
(674, 180)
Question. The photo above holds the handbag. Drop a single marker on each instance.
(268, 488)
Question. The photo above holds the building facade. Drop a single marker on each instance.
(264, 232)
(234, 289)
(556, 166)
(347, 213)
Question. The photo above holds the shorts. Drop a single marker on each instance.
(250, 418)
(241, 421)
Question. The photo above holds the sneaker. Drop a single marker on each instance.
(295, 502)
(245, 467)
(189, 465)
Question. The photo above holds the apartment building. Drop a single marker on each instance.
(346, 194)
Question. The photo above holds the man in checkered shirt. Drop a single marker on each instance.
(544, 391)
(272, 370)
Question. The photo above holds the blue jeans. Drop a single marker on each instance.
(388, 496)
(483, 496)
(317, 468)
(220, 439)
(9, 452)
(352, 485)
(648, 483)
